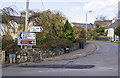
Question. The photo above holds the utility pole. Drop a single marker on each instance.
(26, 18)
(86, 26)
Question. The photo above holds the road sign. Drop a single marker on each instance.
(26, 38)
(36, 29)
(26, 35)
(27, 42)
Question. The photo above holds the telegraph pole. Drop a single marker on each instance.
(26, 18)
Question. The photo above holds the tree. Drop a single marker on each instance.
(68, 33)
(97, 26)
(100, 30)
(80, 33)
(102, 17)
(52, 24)
(106, 33)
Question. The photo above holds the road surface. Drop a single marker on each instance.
(103, 62)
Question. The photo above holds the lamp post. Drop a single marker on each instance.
(86, 23)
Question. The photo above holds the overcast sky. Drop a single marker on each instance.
(74, 10)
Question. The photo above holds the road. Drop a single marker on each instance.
(103, 62)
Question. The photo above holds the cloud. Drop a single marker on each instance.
(113, 2)
(45, 0)
(75, 9)
(96, 5)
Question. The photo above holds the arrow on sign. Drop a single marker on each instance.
(36, 29)
(27, 42)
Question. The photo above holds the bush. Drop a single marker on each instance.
(9, 45)
(53, 43)
(103, 38)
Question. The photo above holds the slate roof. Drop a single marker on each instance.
(83, 24)
(104, 23)
(17, 19)
(115, 24)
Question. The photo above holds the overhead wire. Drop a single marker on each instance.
(43, 5)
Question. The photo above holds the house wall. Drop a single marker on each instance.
(111, 34)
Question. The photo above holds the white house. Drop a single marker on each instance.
(15, 22)
(111, 33)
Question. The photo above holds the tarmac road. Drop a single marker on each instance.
(103, 62)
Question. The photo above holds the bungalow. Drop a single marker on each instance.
(89, 26)
(110, 30)
(102, 23)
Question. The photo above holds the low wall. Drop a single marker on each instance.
(38, 54)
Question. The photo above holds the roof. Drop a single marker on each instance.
(82, 24)
(103, 22)
(17, 19)
(115, 24)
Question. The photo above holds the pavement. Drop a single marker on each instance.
(100, 62)
(89, 48)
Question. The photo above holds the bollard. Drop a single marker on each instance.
(10, 56)
(14, 56)
(13, 60)
(3, 57)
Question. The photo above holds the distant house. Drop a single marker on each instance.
(111, 33)
(89, 26)
(14, 21)
(102, 23)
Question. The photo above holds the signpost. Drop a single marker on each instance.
(26, 35)
(26, 38)
(36, 29)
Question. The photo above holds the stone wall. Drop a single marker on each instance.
(37, 54)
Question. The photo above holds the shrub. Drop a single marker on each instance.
(103, 38)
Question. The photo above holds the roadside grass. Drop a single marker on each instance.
(106, 41)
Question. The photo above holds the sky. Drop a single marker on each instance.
(74, 10)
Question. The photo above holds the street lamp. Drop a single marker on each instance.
(86, 23)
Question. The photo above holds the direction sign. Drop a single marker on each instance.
(36, 29)
(26, 38)
(26, 35)
(27, 42)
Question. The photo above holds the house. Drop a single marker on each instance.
(102, 23)
(89, 26)
(14, 21)
(110, 30)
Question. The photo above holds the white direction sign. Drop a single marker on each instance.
(26, 38)
(36, 29)
(26, 35)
